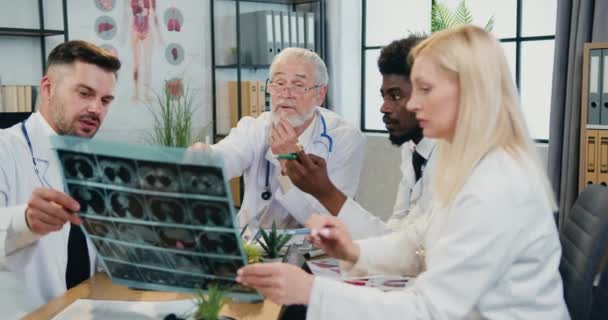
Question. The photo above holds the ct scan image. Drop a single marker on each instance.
(137, 233)
(124, 271)
(165, 209)
(224, 267)
(203, 180)
(210, 213)
(118, 171)
(100, 228)
(92, 200)
(190, 263)
(177, 238)
(230, 285)
(218, 243)
(158, 176)
(152, 258)
(191, 281)
(79, 166)
(126, 205)
(158, 277)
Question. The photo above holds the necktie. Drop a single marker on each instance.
(78, 268)
(417, 161)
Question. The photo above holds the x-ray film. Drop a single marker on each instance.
(160, 218)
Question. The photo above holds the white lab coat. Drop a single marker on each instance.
(32, 268)
(363, 224)
(493, 254)
(246, 152)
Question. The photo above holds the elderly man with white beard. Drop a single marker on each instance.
(298, 85)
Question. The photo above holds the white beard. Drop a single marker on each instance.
(295, 120)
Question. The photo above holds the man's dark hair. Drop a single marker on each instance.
(77, 50)
(393, 57)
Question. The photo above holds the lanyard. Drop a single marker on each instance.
(29, 144)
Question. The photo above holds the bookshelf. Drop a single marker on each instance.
(239, 71)
(40, 34)
(593, 164)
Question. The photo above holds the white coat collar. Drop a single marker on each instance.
(39, 133)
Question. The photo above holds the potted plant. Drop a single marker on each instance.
(273, 242)
(443, 18)
(209, 307)
(254, 255)
(173, 116)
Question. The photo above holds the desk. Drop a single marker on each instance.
(100, 287)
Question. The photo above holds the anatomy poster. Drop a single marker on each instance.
(160, 43)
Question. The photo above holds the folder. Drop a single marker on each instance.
(257, 37)
(595, 80)
(253, 99)
(262, 97)
(9, 95)
(591, 137)
(301, 30)
(285, 31)
(293, 29)
(28, 99)
(604, 96)
(278, 38)
(310, 31)
(602, 174)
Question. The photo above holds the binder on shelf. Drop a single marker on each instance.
(591, 138)
(602, 173)
(10, 98)
(257, 37)
(595, 81)
(253, 99)
(301, 30)
(28, 99)
(310, 31)
(261, 97)
(233, 101)
(285, 29)
(293, 29)
(604, 92)
(278, 38)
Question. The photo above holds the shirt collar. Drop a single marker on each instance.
(425, 147)
(43, 124)
(306, 136)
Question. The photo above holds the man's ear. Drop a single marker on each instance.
(45, 87)
(320, 97)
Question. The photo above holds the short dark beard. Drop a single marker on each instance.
(415, 136)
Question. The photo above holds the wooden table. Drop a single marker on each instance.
(99, 287)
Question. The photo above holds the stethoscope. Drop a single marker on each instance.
(29, 145)
(266, 194)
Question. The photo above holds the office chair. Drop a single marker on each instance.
(584, 239)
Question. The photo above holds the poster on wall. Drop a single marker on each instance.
(159, 44)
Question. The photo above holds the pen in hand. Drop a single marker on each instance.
(287, 156)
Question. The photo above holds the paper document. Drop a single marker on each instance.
(85, 309)
(330, 268)
(160, 218)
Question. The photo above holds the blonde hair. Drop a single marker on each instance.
(489, 116)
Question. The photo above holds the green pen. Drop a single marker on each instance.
(287, 156)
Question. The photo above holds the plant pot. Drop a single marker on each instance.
(269, 260)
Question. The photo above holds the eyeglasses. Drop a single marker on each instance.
(275, 88)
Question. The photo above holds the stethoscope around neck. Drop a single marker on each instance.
(267, 194)
(29, 145)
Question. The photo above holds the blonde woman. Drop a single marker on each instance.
(489, 247)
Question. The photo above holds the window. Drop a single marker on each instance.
(526, 30)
